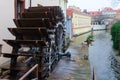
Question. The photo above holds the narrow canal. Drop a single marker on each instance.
(101, 56)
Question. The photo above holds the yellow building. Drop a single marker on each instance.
(81, 22)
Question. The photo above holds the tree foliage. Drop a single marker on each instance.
(115, 32)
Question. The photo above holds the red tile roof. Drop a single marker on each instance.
(107, 9)
(94, 12)
(69, 12)
(118, 10)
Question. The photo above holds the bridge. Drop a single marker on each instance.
(107, 20)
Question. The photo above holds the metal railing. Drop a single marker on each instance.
(31, 70)
(94, 74)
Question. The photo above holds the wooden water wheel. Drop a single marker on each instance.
(40, 38)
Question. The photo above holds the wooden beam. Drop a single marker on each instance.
(31, 70)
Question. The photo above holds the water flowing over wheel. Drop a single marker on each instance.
(60, 37)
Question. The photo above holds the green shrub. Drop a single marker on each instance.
(115, 32)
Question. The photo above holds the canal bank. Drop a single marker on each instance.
(100, 55)
(76, 68)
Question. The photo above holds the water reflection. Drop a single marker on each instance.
(100, 55)
(115, 65)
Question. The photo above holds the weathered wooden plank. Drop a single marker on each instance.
(34, 33)
(26, 42)
(35, 22)
(9, 55)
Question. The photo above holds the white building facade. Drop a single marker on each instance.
(7, 16)
(61, 3)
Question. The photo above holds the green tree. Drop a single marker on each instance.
(115, 32)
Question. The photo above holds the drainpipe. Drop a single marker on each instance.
(30, 3)
(19, 6)
(59, 2)
(0, 50)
